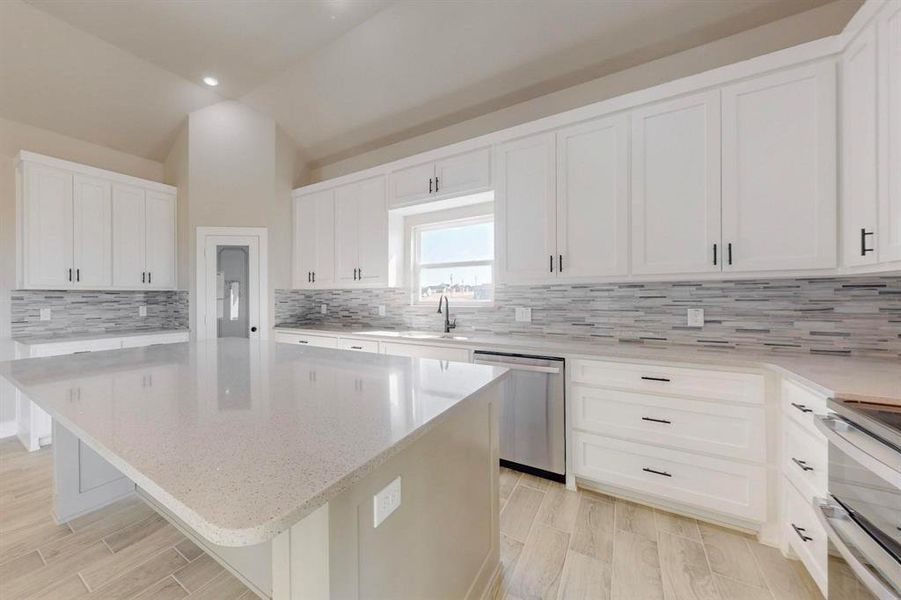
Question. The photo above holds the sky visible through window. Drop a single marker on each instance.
(459, 243)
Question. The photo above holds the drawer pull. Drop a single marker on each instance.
(802, 533)
(802, 408)
(356, 347)
(302, 342)
(803, 464)
(663, 473)
(666, 379)
(653, 420)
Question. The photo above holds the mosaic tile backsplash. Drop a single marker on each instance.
(81, 312)
(852, 315)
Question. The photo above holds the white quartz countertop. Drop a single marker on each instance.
(850, 378)
(84, 337)
(242, 439)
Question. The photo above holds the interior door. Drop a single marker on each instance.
(159, 210)
(412, 184)
(255, 295)
(676, 186)
(372, 231)
(48, 227)
(779, 204)
(92, 236)
(129, 246)
(593, 198)
(525, 209)
(890, 131)
(465, 173)
(346, 238)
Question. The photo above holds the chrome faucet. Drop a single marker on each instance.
(448, 324)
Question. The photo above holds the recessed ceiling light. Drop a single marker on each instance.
(211, 81)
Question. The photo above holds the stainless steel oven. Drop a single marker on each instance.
(862, 515)
(532, 429)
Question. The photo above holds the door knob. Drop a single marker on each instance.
(253, 329)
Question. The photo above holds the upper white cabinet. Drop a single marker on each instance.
(676, 186)
(889, 59)
(525, 209)
(456, 175)
(314, 240)
(361, 233)
(779, 171)
(83, 228)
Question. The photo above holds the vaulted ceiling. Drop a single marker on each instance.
(337, 75)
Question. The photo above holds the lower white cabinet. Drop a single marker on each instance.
(805, 460)
(420, 351)
(805, 535)
(358, 345)
(305, 339)
(712, 484)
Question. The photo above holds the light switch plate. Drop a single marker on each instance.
(695, 317)
(45, 314)
(523, 315)
(381, 310)
(385, 502)
(323, 308)
(142, 310)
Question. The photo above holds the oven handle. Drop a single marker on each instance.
(516, 367)
(864, 448)
(855, 541)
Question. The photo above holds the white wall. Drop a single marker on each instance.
(791, 31)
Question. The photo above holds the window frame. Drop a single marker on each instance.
(444, 221)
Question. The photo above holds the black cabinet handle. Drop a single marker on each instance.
(70, 274)
(665, 379)
(436, 184)
(801, 533)
(356, 347)
(77, 274)
(302, 342)
(714, 255)
(430, 185)
(559, 263)
(314, 276)
(803, 464)
(355, 270)
(552, 262)
(360, 273)
(653, 420)
(143, 276)
(863, 242)
(802, 408)
(663, 473)
(729, 249)
(149, 277)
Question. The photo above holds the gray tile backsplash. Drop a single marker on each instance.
(848, 315)
(80, 312)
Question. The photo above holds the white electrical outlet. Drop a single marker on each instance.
(523, 315)
(45, 314)
(142, 311)
(382, 310)
(695, 317)
(323, 308)
(385, 502)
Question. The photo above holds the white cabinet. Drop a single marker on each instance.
(889, 59)
(314, 240)
(361, 233)
(305, 339)
(676, 186)
(779, 171)
(425, 351)
(84, 228)
(358, 345)
(143, 238)
(525, 209)
(859, 150)
(592, 211)
(47, 230)
(456, 175)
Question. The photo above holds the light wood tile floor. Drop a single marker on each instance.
(123, 551)
(558, 544)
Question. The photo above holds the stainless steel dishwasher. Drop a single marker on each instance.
(532, 428)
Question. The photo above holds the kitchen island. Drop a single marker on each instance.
(271, 457)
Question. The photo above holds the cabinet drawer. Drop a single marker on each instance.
(805, 535)
(419, 351)
(710, 427)
(801, 404)
(713, 484)
(358, 345)
(152, 340)
(804, 460)
(304, 339)
(61, 348)
(698, 383)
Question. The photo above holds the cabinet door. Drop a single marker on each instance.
(676, 186)
(346, 238)
(412, 184)
(464, 173)
(593, 198)
(372, 232)
(890, 133)
(129, 264)
(859, 150)
(92, 237)
(779, 209)
(48, 229)
(525, 209)
(159, 210)
(312, 214)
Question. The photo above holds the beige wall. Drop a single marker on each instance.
(16, 136)
(803, 27)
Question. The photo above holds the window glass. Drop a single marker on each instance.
(456, 259)
(465, 242)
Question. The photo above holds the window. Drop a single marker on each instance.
(455, 258)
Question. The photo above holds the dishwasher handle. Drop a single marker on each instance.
(518, 367)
